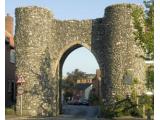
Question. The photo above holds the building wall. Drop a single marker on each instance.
(87, 91)
(84, 81)
(9, 78)
(9, 24)
(10, 84)
(96, 81)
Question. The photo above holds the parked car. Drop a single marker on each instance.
(78, 102)
(73, 102)
(83, 102)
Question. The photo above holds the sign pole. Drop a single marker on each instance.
(21, 101)
(20, 91)
(21, 105)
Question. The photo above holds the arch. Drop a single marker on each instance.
(68, 49)
(64, 54)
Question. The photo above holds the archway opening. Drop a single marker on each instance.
(80, 82)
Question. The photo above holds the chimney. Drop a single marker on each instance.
(9, 24)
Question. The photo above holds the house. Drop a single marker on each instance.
(84, 81)
(82, 91)
(10, 83)
(88, 79)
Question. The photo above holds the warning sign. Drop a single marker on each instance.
(20, 79)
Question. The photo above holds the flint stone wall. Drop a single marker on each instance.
(42, 42)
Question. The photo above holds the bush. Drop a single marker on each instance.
(123, 107)
(137, 112)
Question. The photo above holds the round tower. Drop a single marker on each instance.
(33, 30)
(118, 54)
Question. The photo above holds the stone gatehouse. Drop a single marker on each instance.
(43, 43)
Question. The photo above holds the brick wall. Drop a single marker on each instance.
(9, 24)
(10, 94)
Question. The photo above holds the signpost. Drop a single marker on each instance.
(20, 90)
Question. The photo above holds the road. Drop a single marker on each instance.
(73, 112)
(81, 111)
(70, 112)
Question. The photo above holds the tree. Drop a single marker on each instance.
(74, 76)
(149, 21)
(69, 83)
(150, 78)
(145, 34)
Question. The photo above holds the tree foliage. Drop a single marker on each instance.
(145, 34)
(150, 78)
(74, 76)
(71, 80)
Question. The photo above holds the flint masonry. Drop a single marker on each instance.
(43, 43)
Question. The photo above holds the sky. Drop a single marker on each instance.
(80, 58)
(68, 9)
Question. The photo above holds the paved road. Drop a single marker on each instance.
(73, 112)
(81, 111)
(70, 112)
(67, 117)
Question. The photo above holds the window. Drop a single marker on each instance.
(12, 56)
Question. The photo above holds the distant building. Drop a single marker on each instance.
(88, 79)
(82, 91)
(96, 81)
(84, 81)
(10, 83)
(87, 91)
(83, 87)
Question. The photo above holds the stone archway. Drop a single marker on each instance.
(67, 50)
(41, 44)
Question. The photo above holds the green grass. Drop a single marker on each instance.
(9, 111)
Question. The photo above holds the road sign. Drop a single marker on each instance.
(20, 90)
(128, 76)
(20, 79)
(128, 79)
